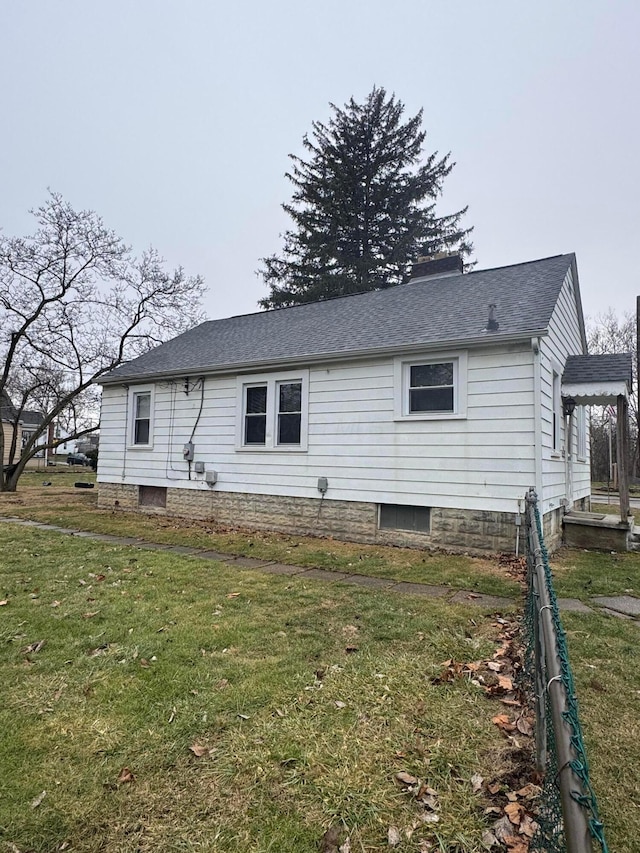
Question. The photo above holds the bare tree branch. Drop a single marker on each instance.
(74, 304)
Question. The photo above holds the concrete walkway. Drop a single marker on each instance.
(460, 596)
(620, 606)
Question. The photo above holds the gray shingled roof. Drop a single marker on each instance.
(31, 419)
(7, 409)
(424, 312)
(598, 368)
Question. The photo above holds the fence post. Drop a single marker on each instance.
(538, 647)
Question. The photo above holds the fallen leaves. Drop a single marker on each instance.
(393, 836)
(99, 650)
(125, 776)
(511, 810)
(330, 841)
(505, 683)
(406, 778)
(503, 722)
(425, 796)
(32, 648)
(38, 800)
(476, 783)
(199, 750)
(514, 812)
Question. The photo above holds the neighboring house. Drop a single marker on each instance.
(417, 415)
(88, 443)
(31, 422)
(8, 415)
(26, 424)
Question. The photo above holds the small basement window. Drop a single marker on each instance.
(397, 517)
(155, 496)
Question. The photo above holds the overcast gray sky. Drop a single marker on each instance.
(173, 120)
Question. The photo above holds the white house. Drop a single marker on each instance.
(416, 415)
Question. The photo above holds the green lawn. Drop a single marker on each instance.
(582, 574)
(168, 652)
(613, 508)
(604, 658)
(62, 505)
(306, 698)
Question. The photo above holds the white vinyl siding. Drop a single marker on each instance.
(482, 461)
(563, 339)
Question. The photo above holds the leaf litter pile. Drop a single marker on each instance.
(511, 794)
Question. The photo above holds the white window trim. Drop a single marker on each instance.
(272, 381)
(133, 392)
(401, 376)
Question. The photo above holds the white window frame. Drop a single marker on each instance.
(402, 377)
(273, 381)
(134, 392)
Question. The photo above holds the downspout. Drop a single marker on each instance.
(537, 418)
(126, 433)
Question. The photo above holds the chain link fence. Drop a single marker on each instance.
(568, 814)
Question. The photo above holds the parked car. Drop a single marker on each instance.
(78, 459)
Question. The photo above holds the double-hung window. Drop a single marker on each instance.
(141, 417)
(431, 387)
(273, 411)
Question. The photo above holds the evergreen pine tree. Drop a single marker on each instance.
(363, 207)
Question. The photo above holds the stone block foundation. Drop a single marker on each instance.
(457, 530)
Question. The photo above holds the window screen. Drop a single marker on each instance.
(431, 387)
(255, 419)
(289, 412)
(152, 496)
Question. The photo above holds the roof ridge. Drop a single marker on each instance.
(384, 289)
(523, 263)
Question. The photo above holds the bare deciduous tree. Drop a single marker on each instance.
(74, 304)
(609, 333)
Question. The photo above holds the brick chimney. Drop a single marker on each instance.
(438, 265)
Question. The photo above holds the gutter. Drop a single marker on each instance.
(323, 358)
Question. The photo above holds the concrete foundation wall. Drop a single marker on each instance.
(469, 531)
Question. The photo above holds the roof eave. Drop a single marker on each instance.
(489, 339)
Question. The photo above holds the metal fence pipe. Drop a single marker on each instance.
(576, 827)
